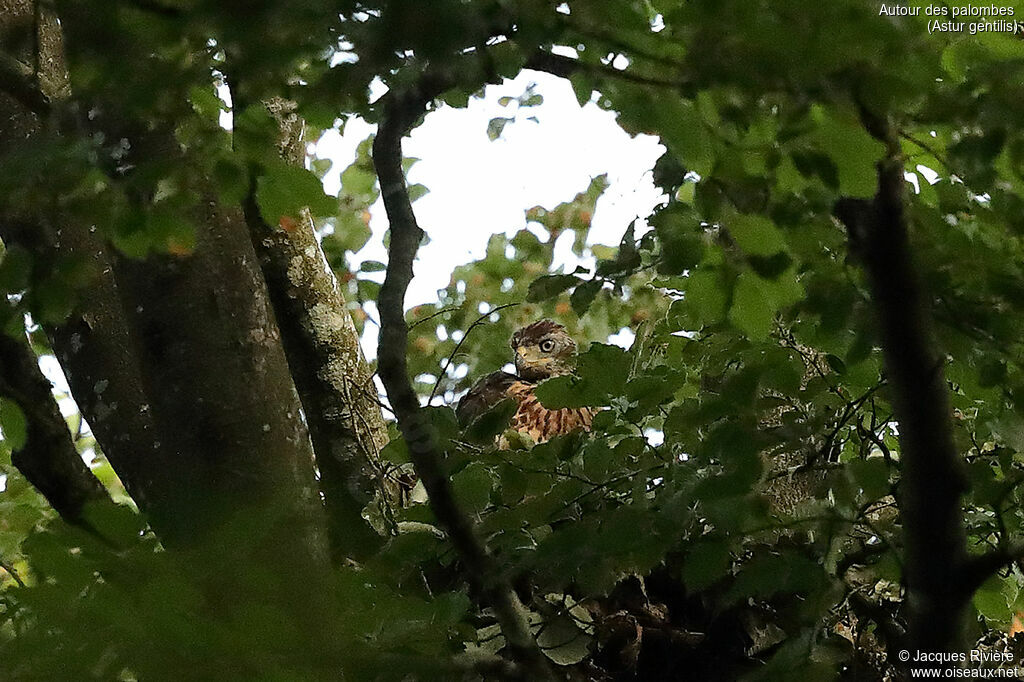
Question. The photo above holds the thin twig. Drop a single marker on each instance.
(11, 572)
(442, 311)
(624, 47)
(480, 320)
(928, 148)
(565, 67)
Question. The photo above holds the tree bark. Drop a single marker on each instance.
(48, 458)
(176, 362)
(932, 479)
(94, 338)
(401, 110)
(334, 381)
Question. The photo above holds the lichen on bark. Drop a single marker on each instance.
(333, 379)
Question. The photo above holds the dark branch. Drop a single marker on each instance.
(401, 111)
(980, 568)
(559, 65)
(322, 347)
(891, 630)
(19, 81)
(932, 480)
(48, 458)
(14, 574)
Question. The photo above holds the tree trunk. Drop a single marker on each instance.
(334, 382)
(177, 364)
(48, 458)
(932, 475)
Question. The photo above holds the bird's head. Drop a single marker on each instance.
(543, 349)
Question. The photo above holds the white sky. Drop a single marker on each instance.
(479, 187)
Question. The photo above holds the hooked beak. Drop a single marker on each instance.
(520, 354)
(530, 356)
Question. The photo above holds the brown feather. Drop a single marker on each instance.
(530, 418)
(484, 395)
(540, 423)
(533, 332)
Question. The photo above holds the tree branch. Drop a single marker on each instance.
(401, 110)
(559, 65)
(331, 375)
(19, 81)
(48, 459)
(177, 363)
(981, 567)
(932, 480)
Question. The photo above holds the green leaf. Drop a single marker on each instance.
(372, 266)
(706, 563)
(549, 286)
(395, 452)
(836, 363)
(768, 574)
(417, 191)
(560, 392)
(973, 155)
(582, 86)
(472, 487)
(284, 190)
(15, 269)
(495, 126)
(359, 181)
(677, 228)
(205, 102)
(685, 133)
(321, 167)
(231, 181)
(492, 422)
(991, 602)
(170, 231)
(351, 233)
(255, 134)
(756, 301)
(756, 235)
(851, 148)
(604, 368)
(583, 295)
(752, 310)
(871, 476)
(563, 641)
(705, 298)
(13, 424)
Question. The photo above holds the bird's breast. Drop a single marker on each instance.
(540, 423)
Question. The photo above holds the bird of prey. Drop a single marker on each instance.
(542, 350)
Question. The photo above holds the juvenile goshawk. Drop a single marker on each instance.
(543, 349)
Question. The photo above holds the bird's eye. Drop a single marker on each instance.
(547, 345)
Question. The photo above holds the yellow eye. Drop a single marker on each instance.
(547, 345)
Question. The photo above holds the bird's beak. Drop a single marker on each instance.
(530, 356)
(521, 353)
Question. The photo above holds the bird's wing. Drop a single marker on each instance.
(485, 394)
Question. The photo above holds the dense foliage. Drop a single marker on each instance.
(736, 509)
